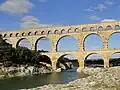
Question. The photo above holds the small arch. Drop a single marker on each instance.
(5, 35)
(63, 31)
(17, 34)
(23, 34)
(36, 32)
(67, 62)
(30, 33)
(56, 32)
(108, 27)
(114, 59)
(84, 29)
(0, 35)
(100, 28)
(43, 32)
(77, 30)
(11, 35)
(49, 32)
(94, 60)
(92, 29)
(70, 30)
(117, 27)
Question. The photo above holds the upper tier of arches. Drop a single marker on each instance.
(62, 30)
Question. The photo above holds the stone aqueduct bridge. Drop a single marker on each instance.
(79, 32)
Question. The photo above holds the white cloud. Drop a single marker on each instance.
(108, 20)
(101, 7)
(16, 6)
(109, 2)
(89, 10)
(95, 18)
(32, 22)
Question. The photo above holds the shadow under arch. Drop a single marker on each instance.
(114, 59)
(67, 61)
(45, 59)
(28, 44)
(101, 41)
(67, 43)
(47, 48)
(94, 60)
(114, 40)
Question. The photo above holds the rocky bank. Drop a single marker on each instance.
(98, 79)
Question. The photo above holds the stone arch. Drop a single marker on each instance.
(43, 32)
(45, 59)
(63, 31)
(30, 33)
(108, 27)
(23, 34)
(24, 42)
(17, 34)
(94, 60)
(84, 29)
(43, 44)
(68, 45)
(11, 34)
(100, 28)
(49, 32)
(56, 32)
(70, 30)
(114, 40)
(117, 27)
(114, 59)
(77, 30)
(36, 32)
(5, 35)
(92, 29)
(67, 61)
(90, 44)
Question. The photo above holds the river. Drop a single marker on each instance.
(17, 83)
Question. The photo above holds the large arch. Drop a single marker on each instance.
(94, 60)
(43, 44)
(23, 42)
(93, 42)
(114, 40)
(67, 43)
(114, 59)
(67, 61)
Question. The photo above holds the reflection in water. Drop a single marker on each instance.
(17, 83)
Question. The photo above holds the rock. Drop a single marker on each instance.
(58, 70)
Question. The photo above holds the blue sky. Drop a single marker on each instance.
(19, 14)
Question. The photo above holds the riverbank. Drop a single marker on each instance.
(23, 70)
(98, 79)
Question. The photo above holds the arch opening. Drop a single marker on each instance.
(24, 43)
(8, 41)
(70, 30)
(114, 59)
(44, 59)
(56, 32)
(49, 32)
(108, 27)
(67, 62)
(67, 43)
(93, 42)
(94, 60)
(114, 40)
(117, 27)
(84, 29)
(63, 31)
(77, 30)
(43, 44)
(100, 28)
(92, 29)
